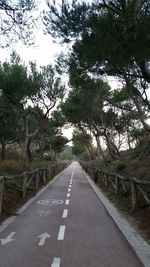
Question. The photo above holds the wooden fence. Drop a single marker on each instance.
(28, 180)
(137, 190)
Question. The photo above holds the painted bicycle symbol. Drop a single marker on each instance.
(50, 202)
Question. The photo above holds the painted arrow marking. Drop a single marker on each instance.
(8, 238)
(43, 238)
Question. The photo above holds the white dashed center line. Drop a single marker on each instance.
(56, 262)
(70, 186)
(61, 233)
(67, 202)
(69, 190)
(68, 195)
(65, 213)
(72, 173)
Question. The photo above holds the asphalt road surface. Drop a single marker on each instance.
(66, 226)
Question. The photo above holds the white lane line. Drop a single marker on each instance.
(70, 186)
(68, 195)
(72, 173)
(56, 262)
(69, 190)
(67, 202)
(70, 182)
(65, 213)
(61, 233)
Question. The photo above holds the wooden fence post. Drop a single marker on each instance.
(37, 180)
(106, 180)
(117, 184)
(49, 172)
(96, 176)
(99, 175)
(1, 192)
(44, 176)
(133, 194)
(24, 184)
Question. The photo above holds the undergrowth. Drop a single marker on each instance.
(12, 167)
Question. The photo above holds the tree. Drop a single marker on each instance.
(105, 39)
(50, 91)
(81, 142)
(116, 31)
(58, 143)
(43, 88)
(86, 107)
(108, 38)
(17, 21)
(8, 126)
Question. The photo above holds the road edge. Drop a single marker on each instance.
(9, 220)
(139, 245)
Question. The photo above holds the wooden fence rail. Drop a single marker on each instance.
(29, 180)
(137, 190)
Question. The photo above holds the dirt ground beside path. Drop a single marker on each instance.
(139, 219)
(12, 201)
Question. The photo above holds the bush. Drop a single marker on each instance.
(10, 167)
(120, 166)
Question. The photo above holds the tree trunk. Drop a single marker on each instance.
(144, 67)
(88, 152)
(128, 140)
(24, 150)
(26, 155)
(29, 154)
(100, 152)
(3, 152)
(113, 150)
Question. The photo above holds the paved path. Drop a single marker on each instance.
(66, 226)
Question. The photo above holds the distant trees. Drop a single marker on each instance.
(81, 142)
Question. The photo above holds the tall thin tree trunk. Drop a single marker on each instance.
(3, 151)
(25, 145)
(100, 152)
(113, 150)
(128, 140)
(29, 154)
(88, 152)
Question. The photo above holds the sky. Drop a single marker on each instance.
(43, 51)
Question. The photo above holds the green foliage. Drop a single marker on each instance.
(12, 167)
(57, 119)
(14, 82)
(120, 166)
(111, 37)
(58, 142)
(27, 97)
(81, 142)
